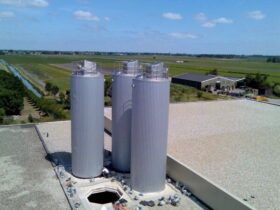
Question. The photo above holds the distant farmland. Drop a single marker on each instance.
(55, 68)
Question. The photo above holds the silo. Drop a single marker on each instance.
(150, 106)
(121, 115)
(87, 121)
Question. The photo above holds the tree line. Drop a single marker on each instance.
(48, 106)
(11, 94)
(50, 88)
(273, 60)
(260, 82)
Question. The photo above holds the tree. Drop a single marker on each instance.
(67, 99)
(11, 101)
(62, 97)
(199, 94)
(257, 81)
(11, 93)
(276, 90)
(54, 90)
(108, 86)
(213, 72)
(2, 115)
(30, 118)
(273, 60)
(48, 106)
(10, 82)
(48, 86)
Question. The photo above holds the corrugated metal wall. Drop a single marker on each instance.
(87, 124)
(121, 120)
(150, 102)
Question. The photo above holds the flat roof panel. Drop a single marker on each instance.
(233, 143)
(57, 138)
(27, 178)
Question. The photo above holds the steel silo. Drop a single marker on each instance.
(121, 115)
(150, 106)
(87, 121)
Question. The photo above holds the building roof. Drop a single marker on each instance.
(27, 178)
(234, 144)
(195, 77)
(235, 79)
(58, 144)
(203, 77)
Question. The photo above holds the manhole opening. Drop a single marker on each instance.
(104, 197)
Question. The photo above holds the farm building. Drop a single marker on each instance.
(208, 82)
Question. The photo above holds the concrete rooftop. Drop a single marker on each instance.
(234, 144)
(58, 144)
(27, 179)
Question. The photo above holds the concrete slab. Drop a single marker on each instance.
(27, 179)
(233, 143)
(57, 139)
(274, 101)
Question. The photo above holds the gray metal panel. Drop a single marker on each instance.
(87, 124)
(150, 102)
(121, 120)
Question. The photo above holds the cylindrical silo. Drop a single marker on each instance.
(87, 121)
(150, 106)
(121, 115)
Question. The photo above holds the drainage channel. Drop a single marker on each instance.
(25, 82)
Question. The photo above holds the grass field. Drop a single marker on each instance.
(181, 93)
(39, 69)
(40, 66)
(48, 73)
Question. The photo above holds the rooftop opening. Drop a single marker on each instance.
(104, 197)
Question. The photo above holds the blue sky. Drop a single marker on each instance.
(176, 26)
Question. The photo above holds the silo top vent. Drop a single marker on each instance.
(86, 67)
(130, 67)
(155, 70)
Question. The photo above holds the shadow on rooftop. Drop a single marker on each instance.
(60, 158)
(64, 159)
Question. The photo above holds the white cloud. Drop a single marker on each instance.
(210, 23)
(172, 16)
(180, 35)
(85, 15)
(6, 14)
(256, 15)
(107, 18)
(223, 20)
(25, 3)
(201, 17)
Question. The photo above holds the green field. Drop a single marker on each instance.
(40, 68)
(56, 69)
(46, 73)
